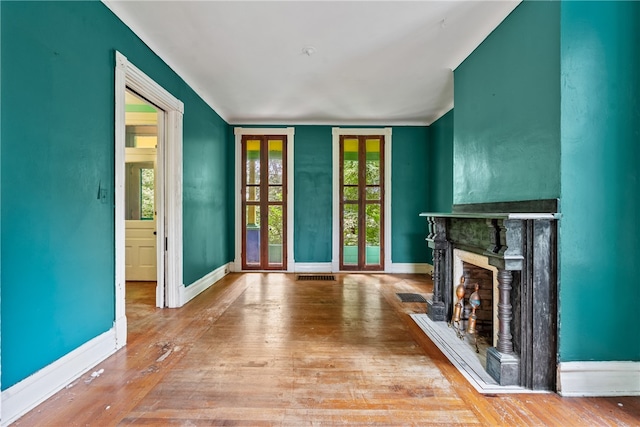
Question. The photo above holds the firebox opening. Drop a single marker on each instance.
(475, 275)
(477, 270)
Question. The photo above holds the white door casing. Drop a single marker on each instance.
(169, 194)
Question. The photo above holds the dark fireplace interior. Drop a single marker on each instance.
(484, 313)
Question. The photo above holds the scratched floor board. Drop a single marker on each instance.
(263, 349)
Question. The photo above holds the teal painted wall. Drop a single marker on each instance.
(556, 86)
(440, 168)
(507, 111)
(600, 183)
(312, 193)
(440, 160)
(206, 178)
(57, 135)
(409, 194)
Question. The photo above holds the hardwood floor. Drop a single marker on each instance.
(264, 349)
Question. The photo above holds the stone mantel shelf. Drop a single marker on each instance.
(512, 215)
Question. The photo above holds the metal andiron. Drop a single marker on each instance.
(458, 310)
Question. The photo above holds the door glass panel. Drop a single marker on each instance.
(350, 162)
(253, 193)
(351, 193)
(275, 161)
(252, 244)
(147, 180)
(372, 171)
(139, 191)
(275, 193)
(350, 234)
(276, 237)
(372, 224)
(373, 193)
(253, 162)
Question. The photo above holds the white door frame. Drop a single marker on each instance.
(169, 203)
(336, 132)
(239, 132)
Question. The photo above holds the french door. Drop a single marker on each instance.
(264, 202)
(361, 196)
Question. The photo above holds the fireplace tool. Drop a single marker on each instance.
(474, 301)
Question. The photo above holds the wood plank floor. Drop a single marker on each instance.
(264, 349)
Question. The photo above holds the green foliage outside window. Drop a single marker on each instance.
(372, 214)
(275, 222)
(146, 194)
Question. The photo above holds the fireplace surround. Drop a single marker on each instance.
(519, 240)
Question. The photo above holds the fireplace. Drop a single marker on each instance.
(510, 250)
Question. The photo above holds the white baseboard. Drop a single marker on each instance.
(235, 266)
(22, 397)
(430, 269)
(187, 293)
(120, 327)
(599, 379)
(333, 267)
(312, 267)
(409, 268)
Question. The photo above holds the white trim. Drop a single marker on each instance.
(235, 268)
(409, 268)
(160, 208)
(290, 199)
(173, 206)
(187, 293)
(312, 267)
(239, 132)
(335, 243)
(170, 160)
(599, 379)
(119, 199)
(22, 397)
(387, 197)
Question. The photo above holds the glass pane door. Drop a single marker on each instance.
(361, 203)
(264, 203)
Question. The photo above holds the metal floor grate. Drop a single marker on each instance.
(411, 297)
(317, 277)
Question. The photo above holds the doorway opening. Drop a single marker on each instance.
(143, 256)
(264, 183)
(361, 199)
(264, 205)
(144, 200)
(361, 202)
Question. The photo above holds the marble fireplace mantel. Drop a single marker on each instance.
(522, 246)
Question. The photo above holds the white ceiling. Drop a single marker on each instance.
(375, 62)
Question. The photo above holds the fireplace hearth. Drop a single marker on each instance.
(510, 247)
